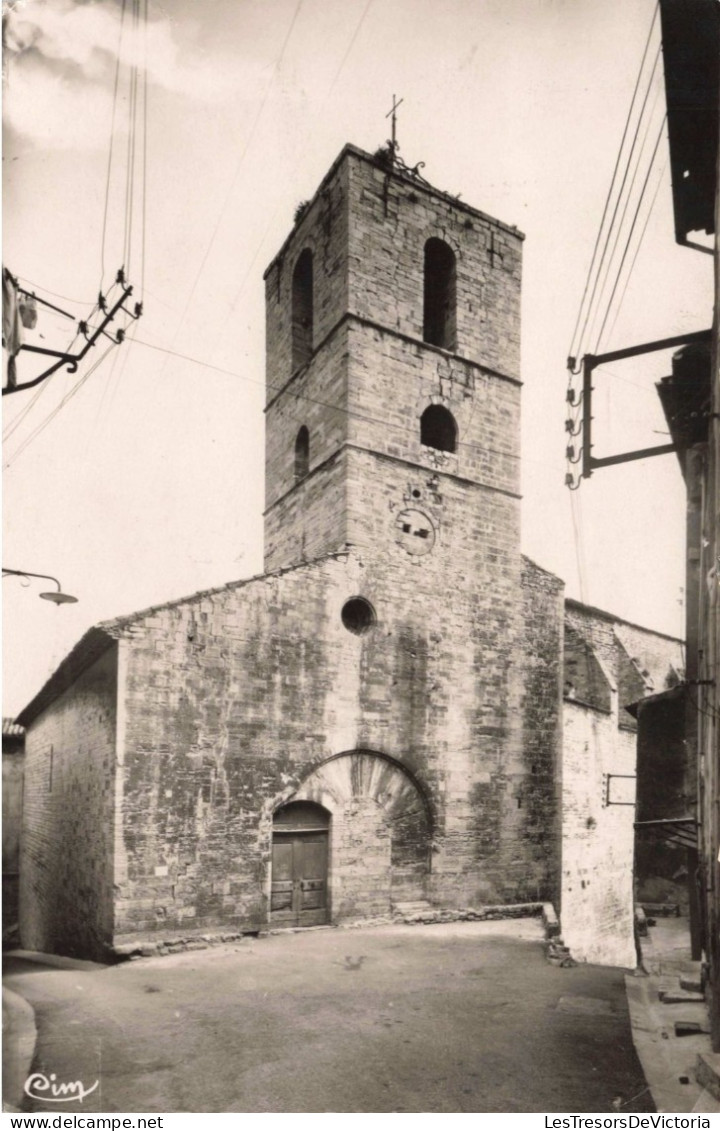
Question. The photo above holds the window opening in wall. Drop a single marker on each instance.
(302, 310)
(302, 453)
(438, 428)
(358, 615)
(440, 295)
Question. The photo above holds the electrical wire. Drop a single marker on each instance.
(238, 167)
(112, 142)
(609, 235)
(143, 238)
(590, 313)
(271, 221)
(579, 542)
(349, 413)
(637, 249)
(51, 416)
(350, 46)
(15, 424)
(47, 291)
(131, 48)
(625, 380)
(632, 229)
(17, 421)
(572, 350)
(591, 325)
(130, 158)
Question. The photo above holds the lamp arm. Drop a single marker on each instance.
(26, 573)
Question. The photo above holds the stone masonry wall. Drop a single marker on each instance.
(372, 375)
(323, 230)
(391, 220)
(541, 706)
(405, 378)
(233, 698)
(598, 782)
(12, 802)
(66, 868)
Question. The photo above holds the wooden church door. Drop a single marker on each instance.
(299, 881)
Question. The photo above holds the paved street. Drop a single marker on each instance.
(460, 1017)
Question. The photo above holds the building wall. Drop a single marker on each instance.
(292, 688)
(605, 660)
(66, 870)
(597, 847)
(12, 801)
(541, 709)
(665, 790)
(709, 631)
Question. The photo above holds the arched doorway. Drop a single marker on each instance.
(381, 833)
(299, 880)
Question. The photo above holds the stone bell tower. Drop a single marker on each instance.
(393, 428)
(393, 342)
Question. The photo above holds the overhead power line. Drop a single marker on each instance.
(51, 416)
(326, 404)
(638, 245)
(632, 229)
(626, 198)
(586, 305)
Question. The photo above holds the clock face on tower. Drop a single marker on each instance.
(416, 532)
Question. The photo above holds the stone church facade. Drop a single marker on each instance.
(378, 719)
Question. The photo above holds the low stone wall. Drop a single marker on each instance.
(144, 948)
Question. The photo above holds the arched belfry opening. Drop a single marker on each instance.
(302, 453)
(299, 880)
(440, 295)
(438, 428)
(302, 310)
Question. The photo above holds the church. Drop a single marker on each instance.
(403, 709)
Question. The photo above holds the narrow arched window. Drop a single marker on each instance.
(439, 320)
(302, 453)
(438, 428)
(302, 310)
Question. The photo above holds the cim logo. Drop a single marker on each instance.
(41, 1087)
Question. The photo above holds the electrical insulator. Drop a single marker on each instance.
(570, 452)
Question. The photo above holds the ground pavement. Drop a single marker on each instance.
(682, 1071)
(442, 1018)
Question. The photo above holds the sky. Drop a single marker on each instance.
(139, 479)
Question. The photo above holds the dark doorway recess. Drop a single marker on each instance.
(299, 881)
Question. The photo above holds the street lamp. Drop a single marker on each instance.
(58, 598)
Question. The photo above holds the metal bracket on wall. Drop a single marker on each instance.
(589, 364)
(90, 334)
(607, 778)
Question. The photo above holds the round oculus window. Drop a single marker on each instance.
(358, 615)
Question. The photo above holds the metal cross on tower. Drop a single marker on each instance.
(395, 105)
